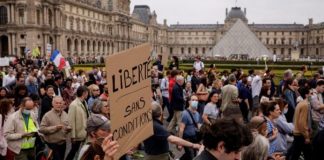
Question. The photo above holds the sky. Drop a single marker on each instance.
(213, 11)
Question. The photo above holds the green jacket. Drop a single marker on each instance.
(78, 115)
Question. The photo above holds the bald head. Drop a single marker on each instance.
(259, 124)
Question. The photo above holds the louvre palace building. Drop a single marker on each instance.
(104, 27)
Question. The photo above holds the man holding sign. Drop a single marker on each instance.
(130, 96)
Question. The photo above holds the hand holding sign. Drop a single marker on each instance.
(129, 78)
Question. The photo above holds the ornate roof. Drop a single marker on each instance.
(236, 12)
(142, 13)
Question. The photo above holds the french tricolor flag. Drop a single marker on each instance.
(58, 59)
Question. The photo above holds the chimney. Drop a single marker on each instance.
(310, 21)
(245, 11)
(226, 12)
(165, 22)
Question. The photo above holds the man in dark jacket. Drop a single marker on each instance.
(177, 103)
(157, 146)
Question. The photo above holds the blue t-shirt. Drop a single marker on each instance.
(190, 129)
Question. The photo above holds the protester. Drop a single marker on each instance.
(101, 107)
(94, 93)
(190, 124)
(317, 106)
(5, 110)
(225, 139)
(20, 131)
(302, 130)
(78, 115)
(230, 101)
(55, 127)
(211, 110)
(177, 103)
(198, 64)
(271, 111)
(156, 146)
(68, 93)
(256, 86)
(98, 127)
(285, 129)
(290, 97)
(46, 104)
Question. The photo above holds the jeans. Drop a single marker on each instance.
(58, 150)
(74, 149)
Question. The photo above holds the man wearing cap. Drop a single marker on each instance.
(78, 115)
(98, 127)
(55, 127)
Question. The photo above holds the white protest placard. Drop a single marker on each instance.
(48, 50)
(4, 61)
(129, 86)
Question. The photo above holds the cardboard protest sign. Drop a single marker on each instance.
(129, 86)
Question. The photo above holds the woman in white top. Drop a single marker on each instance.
(211, 112)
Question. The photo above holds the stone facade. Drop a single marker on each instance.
(280, 39)
(103, 27)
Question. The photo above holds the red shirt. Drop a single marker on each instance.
(172, 82)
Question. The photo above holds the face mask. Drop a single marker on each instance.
(26, 112)
(194, 104)
(285, 110)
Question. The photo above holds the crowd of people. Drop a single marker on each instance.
(210, 115)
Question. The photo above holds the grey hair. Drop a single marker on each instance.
(257, 150)
(288, 73)
(57, 97)
(232, 78)
(156, 109)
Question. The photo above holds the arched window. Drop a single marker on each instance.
(4, 46)
(82, 45)
(3, 15)
(88, 46)
(69, 45)
(76, 45)
(94, 46)
(99, 47)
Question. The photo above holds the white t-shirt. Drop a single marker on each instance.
(8, 80)
(199, 65)
(256, 86)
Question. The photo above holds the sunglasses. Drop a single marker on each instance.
(264, 121)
